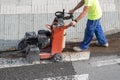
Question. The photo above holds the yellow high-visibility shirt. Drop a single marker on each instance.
(94, 12)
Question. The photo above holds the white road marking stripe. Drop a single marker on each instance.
(106, 62)
(4, 63)
(72, 77)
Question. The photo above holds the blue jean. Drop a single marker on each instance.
(93, 26)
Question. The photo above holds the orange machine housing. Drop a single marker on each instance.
(57, 38)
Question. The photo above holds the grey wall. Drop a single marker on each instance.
(20, 16)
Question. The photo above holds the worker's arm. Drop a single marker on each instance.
(80, 4)
(84, 12)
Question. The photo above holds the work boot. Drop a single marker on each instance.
(77, 49)
(103, 45)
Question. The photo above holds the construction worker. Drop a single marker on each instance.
(92, 7)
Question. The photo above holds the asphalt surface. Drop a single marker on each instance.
(37, 71)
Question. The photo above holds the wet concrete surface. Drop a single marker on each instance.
(113, 40)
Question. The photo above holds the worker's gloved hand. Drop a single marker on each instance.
(71, 11)
(73, 23)
(48, 26)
